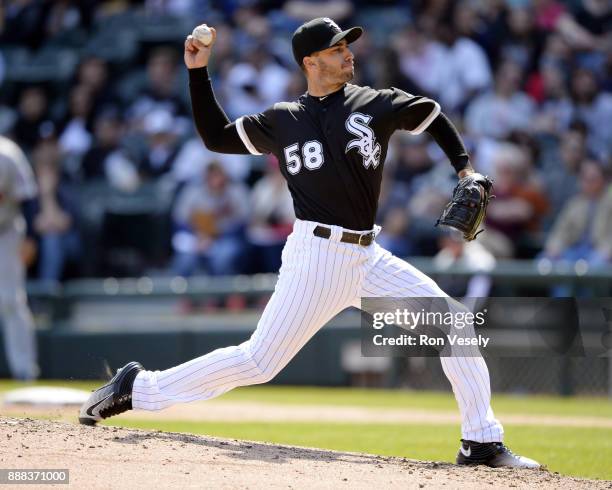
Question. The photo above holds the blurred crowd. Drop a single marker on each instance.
(95, 92)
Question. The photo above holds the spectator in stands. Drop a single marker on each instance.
(32, 118)
(55, 214)
(24, 23)
(428, 196)
(555, 107)
(420, 59)
(93, 74)
(583, 229)
(594, 108)
(255, 84)
(496, 113)
(561, 167)
(63, 15)
(74, 130)
(518, 39)
(557, 52)
(412, 161)
(553, 16)
(455, 251)
(464, 70)
(194, 157)
(106, 159)
(272, 78)
(161, 92)
(163, 144)
(595, 16)
(395, 233)
(271, 217)
(209, 219)
(514, 216)
(386, 72)
(251, 28)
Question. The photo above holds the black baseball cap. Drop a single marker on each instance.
(320, 33)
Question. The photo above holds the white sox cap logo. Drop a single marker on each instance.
(334, 26)
(357, 124)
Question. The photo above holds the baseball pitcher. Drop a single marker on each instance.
(331, 144)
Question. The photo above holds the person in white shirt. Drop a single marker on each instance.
(506, 108)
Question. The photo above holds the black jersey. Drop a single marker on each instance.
(332, 149)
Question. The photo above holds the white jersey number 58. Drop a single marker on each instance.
(312, 156)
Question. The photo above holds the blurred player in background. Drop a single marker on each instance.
(17, 189)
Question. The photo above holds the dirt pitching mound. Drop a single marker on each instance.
(109, 457)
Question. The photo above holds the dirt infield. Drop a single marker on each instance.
(109, 457)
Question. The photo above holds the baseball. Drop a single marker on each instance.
(203, 34)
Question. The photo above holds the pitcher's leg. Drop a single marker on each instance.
(311, 290)
(469, 378)
(469, 375)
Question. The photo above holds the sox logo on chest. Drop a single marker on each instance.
(369, 149)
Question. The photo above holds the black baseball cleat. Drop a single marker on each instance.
(113, 398)
(493, 454)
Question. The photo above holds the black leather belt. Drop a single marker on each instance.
(363, 239)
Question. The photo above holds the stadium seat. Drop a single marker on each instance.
(118, 45)
(48, 64)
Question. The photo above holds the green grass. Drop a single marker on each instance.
(392, 399)
(9, 384)
(584, 452)
(440, 401)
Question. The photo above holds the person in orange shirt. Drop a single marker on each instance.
(514, 216)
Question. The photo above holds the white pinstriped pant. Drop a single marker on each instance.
(318, 279)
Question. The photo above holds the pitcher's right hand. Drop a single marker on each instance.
(196, 54)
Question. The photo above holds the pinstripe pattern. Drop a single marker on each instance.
(467, 373)
(318, 279)
(299, 307)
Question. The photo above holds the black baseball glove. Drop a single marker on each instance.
(468, 207)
